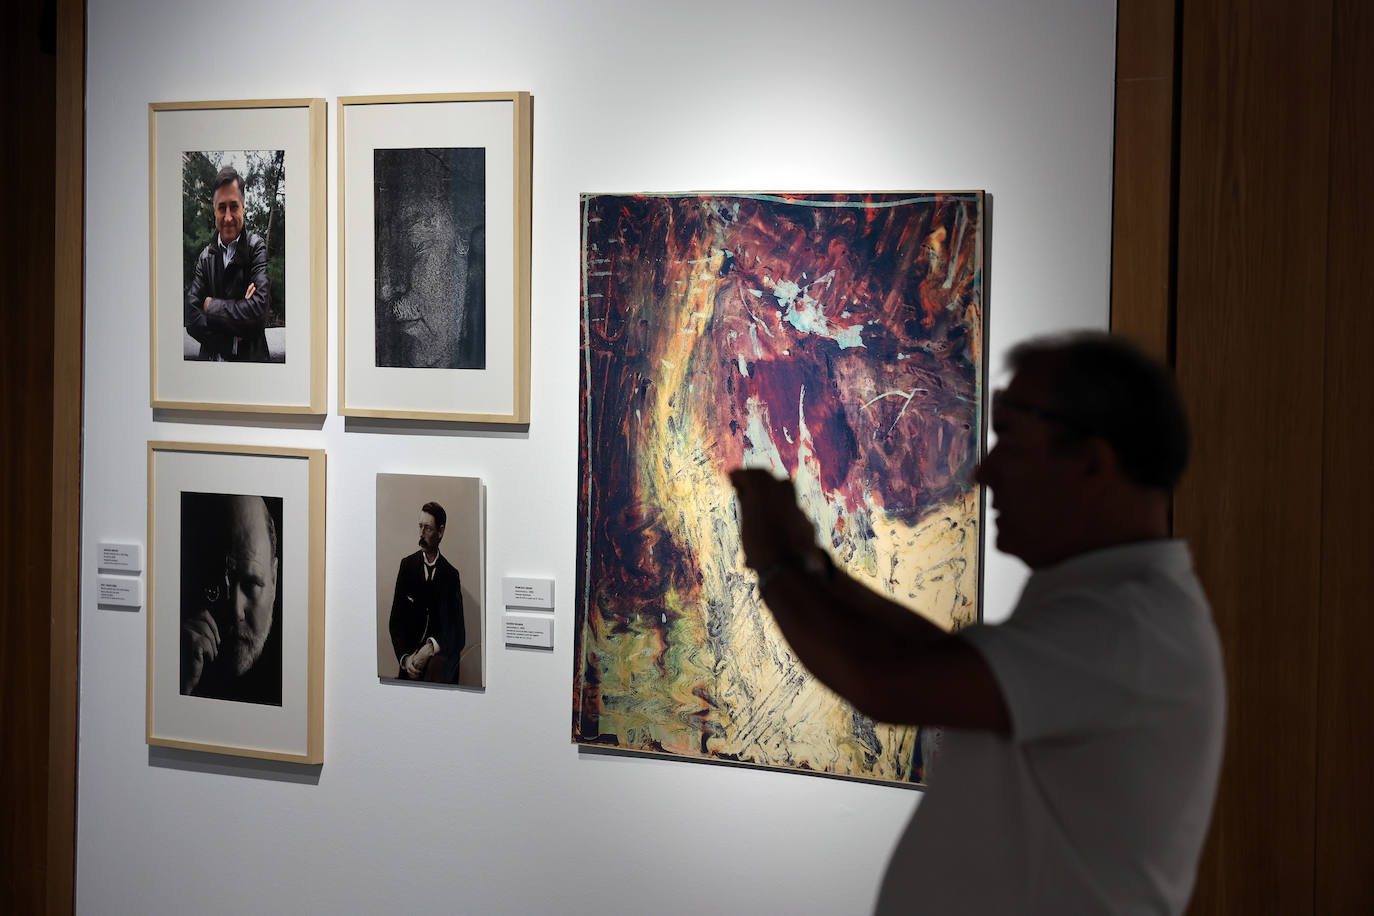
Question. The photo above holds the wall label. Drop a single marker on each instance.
(528, 630)
(535, 593)
(123, 557)
(120, 591)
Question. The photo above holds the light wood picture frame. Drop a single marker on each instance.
(434, 256)
(235, 655)
(246, 334)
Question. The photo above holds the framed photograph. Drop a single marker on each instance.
(434, 277)
(431, 583)
(236, 600)
(836, 339)
(236, 202)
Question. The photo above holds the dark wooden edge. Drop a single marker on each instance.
(1144, 174)
(64, 655)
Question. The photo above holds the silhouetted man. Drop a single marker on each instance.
(1083, 736)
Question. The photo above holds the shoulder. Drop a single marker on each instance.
(1144, 578)
(1136, 630)
(254, 240)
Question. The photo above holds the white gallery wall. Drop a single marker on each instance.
(476, 801)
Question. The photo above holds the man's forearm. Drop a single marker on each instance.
(890, 663)
(249, 314)
(193, 312)
(846, 634)
(238, 316)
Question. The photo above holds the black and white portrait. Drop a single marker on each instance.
(231, 586)
(430, 249)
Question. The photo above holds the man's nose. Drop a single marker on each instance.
(985, 471)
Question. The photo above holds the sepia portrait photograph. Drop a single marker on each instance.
(236, 599)
(233, 258)
(429, 209)
(236, 226)
(430, 579)
(434, 241)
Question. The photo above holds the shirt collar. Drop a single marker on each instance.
(1112, 564)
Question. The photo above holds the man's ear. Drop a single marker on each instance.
(1099, 458)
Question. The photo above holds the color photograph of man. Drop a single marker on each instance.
(234, 282)
(231, 597)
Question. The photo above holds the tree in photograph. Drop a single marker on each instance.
(264, 200)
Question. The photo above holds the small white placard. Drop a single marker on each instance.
(121, 591)
(537, 593)
(529, 630)
(122, 557)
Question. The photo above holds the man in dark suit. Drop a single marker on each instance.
(426, 623)
(229, 299)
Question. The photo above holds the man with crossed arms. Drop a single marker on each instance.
(229, 299)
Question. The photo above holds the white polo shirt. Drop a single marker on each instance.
(1100, 799)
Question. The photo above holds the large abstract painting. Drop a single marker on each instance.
(833, 338)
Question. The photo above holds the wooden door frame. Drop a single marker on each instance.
(68, 325)
(1144, 175)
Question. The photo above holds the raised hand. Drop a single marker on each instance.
(199, 647)
(772, 526)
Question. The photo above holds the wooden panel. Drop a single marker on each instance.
(1145, 39)
(1251, 293)
(1142, 203)
(65, 504)
(1142, 183)
(1345, 708)
(25, 469)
